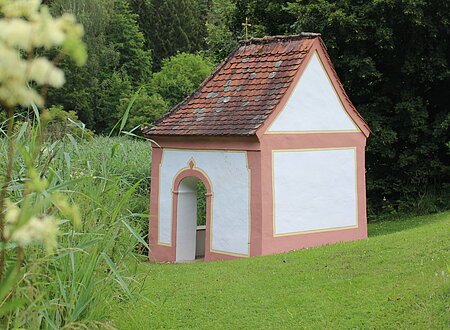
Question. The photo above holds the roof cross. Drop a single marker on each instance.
(246, 25)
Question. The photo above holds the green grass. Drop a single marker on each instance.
(398, 278)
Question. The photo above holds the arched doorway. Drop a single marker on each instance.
(192, 236)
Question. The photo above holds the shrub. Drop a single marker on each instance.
(180, 75)
(145, 110)
(66, 122)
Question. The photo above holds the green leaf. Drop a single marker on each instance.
(119, 278)
(36, 113)
(22, 130)
(10, 279)
(78, 248)
(11, 305)
(114, 149)
(125, 198)
(124, 118)
(68, 161)
(135, 234)
(68, 183)
(74, 143)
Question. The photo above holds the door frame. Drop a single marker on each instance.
(202, 176)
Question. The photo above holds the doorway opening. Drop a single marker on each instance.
(191, 219)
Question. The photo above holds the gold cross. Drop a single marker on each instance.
(246, 26)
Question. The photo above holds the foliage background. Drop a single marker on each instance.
(392, 57)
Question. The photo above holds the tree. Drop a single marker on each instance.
(220, 39)
(180, 75)
(117, 57)
(393, 60)
(267, 17)
(172, 26)
(124, 36)
(110, 93)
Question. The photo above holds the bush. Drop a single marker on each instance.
(145, 110)
(66, 122)
(180, 75)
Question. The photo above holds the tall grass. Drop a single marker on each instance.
(108, 178)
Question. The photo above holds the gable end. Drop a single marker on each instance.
(316, 102)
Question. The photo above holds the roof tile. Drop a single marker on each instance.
(239, 96)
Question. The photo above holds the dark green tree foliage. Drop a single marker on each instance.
(112, 90)
(124, 35)
(180, 75)
(172, 26)
(78, 93)
(393, 57)
(221, 40)
(145, 11)
(225, 19)
(117, 62)
(266, 16)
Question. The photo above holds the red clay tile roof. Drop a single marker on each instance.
(241, 93)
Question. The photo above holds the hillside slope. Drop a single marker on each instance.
(398, 278)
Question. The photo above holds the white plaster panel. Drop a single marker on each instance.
(229, 177)
(313, 105)
(314, 190)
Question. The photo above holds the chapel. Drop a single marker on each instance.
(279, 148)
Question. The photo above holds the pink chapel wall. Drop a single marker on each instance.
(161, 251)
(277, 244)
(262, 240)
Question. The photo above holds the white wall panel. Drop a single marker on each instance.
(314, 190)
(229, 177)
(313, 105)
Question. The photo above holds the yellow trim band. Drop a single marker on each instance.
(315, 231)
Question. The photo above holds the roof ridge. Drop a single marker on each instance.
(271, 39)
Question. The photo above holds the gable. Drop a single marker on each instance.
(314, 105)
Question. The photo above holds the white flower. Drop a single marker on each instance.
(42, 229)
(16, 32)
(46, 30)
(18, 8)
(12, 213)
(38, 229)
(24, 27)
(44, 72)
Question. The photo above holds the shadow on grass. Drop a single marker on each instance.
(396, 225)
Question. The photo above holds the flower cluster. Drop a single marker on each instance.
(27, 26)
(36, 229)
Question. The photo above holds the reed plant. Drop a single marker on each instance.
(74, 286)
(67, 223)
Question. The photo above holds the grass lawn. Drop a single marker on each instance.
(398, 278)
